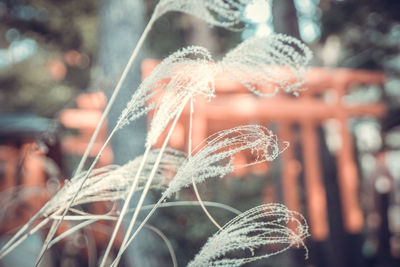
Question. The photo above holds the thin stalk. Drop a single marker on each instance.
(83, 218)
(88, 222)
(147, 207)
(20, 240)
(105, 113)
(193, 182)
(150, 179)
(23, 229)
(14, 242)
(167, 242)
(53, 230)
(125, 207)
(72, 230)
(194, 203)
(115, 92)
(91, 219)
(123, 247)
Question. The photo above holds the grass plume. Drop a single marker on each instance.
(256, 234)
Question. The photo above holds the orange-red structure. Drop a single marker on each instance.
(85, 118)
(26, 165)
(235, 105)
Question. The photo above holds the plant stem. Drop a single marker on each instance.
(115, 93)
(24, 228)
(54, 229)
(149, 181)
(94, 218)
(72, 230)
(123, 247)
(94, 136)
(167, 242)
(125, 207)
(20, 240)
(193, 182)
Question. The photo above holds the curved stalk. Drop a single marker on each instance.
(23, 229)
(149, 181)
(196, 191)
(54, 229)
(124, 208)
(115, 92)
(167, 242)
(20, 240)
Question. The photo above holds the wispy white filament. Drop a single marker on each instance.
(259, 233)
(188, 77)
(276, 62)
(214, 157)
(112, 182)
(172, 83)
(223, 13)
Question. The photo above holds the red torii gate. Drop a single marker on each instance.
(235, 105)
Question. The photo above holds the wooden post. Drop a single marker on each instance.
(316, 194)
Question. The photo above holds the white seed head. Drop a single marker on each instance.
(112, 182)
(222, 13)
(258, 233)
(214, 158)
(163, 78)
(276, 62)
(268, 64)
(191, 72)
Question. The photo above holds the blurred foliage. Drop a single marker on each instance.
(369, 31)
(59, 43)
(173, 31)
(47, 47)
(188, 228)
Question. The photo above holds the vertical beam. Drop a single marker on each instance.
(316, 194)
(347, 168)
(290, 168)
(9, 162)
(348, 182)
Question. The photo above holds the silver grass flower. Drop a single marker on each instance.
(177, 78)
(223, 13)
(276, 62)
(256, 234)
(214, 157)
(188, 77)
(112, 182)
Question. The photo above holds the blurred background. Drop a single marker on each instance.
(60, 60)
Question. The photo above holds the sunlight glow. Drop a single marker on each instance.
(263, 30)
(258, 11)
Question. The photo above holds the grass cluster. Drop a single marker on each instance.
(265, 66)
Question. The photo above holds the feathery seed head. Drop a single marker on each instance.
(260, 232)
(191, 72)
(215, 156)
(169, 76)
(112, 182)
(222, 13)
(266, 65)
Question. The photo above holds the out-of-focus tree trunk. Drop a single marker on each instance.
(285, 17)
(121, 25)
(200, 33)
